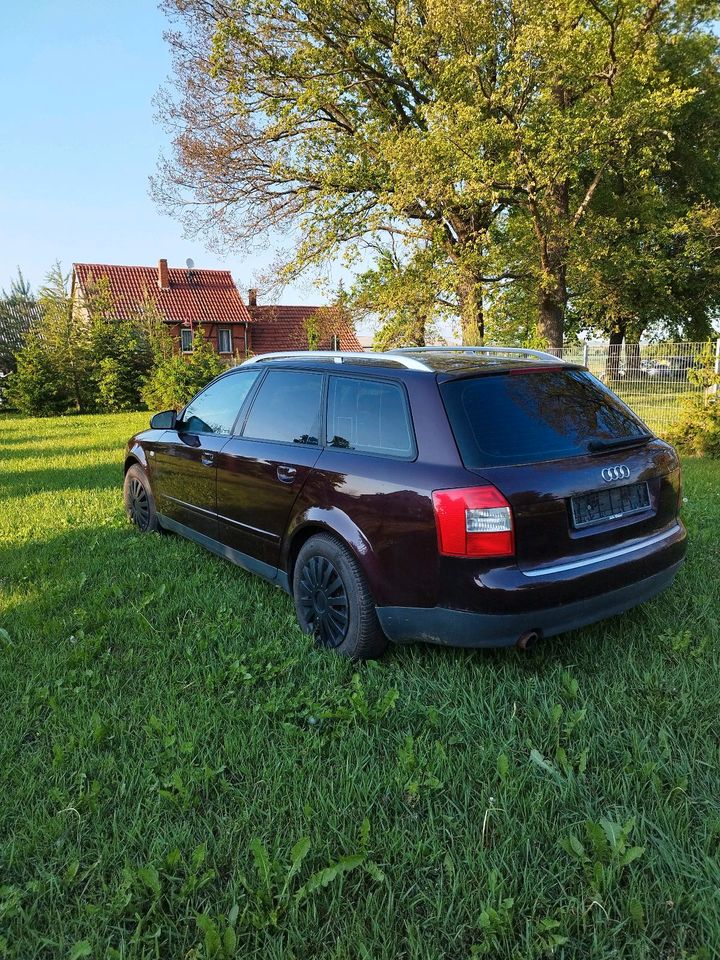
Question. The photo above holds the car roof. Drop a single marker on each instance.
(448, 363)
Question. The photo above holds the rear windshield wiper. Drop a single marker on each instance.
(619, 442)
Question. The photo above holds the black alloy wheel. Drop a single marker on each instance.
(333, 600)
(139, 500)
(138, 504)
(323, 601)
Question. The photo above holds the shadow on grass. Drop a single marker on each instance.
(24, 451)
(97, 476)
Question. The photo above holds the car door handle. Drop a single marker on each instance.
(286, 474)
(208, 459)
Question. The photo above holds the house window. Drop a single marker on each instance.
(335, 342)
(186, 340)
(224, 341)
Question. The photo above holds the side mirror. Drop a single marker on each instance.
(164, 421)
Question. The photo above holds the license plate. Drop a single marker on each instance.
(603, 505)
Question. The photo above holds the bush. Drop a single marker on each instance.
(122, 360)
(697, 430)
(37, 388)
(176, 379)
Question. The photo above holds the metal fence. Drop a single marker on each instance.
(653, 378)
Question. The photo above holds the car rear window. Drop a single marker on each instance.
(526, 416)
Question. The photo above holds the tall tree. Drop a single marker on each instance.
(18, 312)
(430, 120)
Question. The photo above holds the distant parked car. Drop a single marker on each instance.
(472, 497)
(673, 368)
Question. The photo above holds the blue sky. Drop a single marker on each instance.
(79, 141)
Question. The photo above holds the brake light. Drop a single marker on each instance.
(474, 522)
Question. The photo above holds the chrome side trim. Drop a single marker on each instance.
(602, 557)
(246, 526)
(189, 506)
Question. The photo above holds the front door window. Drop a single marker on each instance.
(215, 409)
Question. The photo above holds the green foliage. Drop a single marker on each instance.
(500, 137)
(18, 314)
(697, 430)
(321, 325)
(403, 293)
(175, 379)
(37, 387)
(121, 350)
(60, 351)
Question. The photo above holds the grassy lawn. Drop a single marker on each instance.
(182, 775)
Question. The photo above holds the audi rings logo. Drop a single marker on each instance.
(620, 472)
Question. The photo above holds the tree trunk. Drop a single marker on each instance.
(612, 363)
(418, 332)
(553, 295)
(472, 318)
(551, 320)
(633, 369)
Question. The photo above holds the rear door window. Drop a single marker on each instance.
(286, 408)
(370, 416)
(527, 416)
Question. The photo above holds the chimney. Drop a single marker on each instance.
(163, 275)
(252, 297)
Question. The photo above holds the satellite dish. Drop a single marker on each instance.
(190, 263)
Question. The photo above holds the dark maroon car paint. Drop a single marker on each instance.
(382, 509)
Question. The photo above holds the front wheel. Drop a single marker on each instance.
(333, 600)
(139, 501)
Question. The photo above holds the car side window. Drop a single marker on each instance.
(216, 408)
(286, 408)
(369, 416)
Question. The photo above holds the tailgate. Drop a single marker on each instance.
(566, 508)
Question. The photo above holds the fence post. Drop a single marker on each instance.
(585, 354)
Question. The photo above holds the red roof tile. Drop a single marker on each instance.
(211, 297)
(282, 327)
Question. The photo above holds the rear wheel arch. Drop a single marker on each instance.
(297, 540)
(345, 532)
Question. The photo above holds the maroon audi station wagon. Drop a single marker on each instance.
(476, 497)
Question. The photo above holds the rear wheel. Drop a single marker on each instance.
(333, 600)
(139, 501)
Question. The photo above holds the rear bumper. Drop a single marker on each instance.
(462, 628)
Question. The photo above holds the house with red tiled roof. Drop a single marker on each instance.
(188, 299)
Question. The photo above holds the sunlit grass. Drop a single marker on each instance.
(169, 738)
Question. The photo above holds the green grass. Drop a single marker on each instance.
(168, 738)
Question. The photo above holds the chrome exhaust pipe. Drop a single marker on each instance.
(527, 640)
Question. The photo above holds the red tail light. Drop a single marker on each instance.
(474, 522)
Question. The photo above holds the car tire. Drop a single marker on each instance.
(333, 600)
(139, 500)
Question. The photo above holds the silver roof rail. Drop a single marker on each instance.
(340, 356)
(519, 352)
